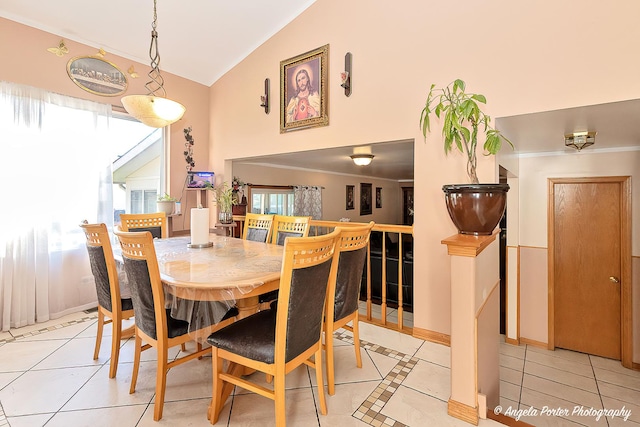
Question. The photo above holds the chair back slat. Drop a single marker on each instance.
(289, 226)
(257, 227)
(155, 223)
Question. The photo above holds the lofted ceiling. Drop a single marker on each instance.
(202, 39)
(198, 39)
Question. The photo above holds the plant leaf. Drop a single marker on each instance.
(479, 98)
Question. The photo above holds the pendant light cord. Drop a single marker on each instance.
(156, 84)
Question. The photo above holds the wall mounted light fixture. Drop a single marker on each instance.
(346, 75)
(264, 99)
(154, 109)
(580, 140)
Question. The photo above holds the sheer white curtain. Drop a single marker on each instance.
(307, 201)
(55, 171)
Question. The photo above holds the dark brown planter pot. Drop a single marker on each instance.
(476, 208)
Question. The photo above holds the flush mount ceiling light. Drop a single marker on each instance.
(580, 140)
(154, 109)
(362, 156)
(362, 159)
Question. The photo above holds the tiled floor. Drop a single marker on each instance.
(566, 388)
(48, 377)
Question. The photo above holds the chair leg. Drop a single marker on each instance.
(216, 404)
(136, 363)
(356, 340)
(321, 396)
(331, 383)
(279, 397)
(96, 351)
(161, 383)
(116, 336)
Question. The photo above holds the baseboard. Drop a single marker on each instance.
(635, 366)
(534, 343)
(511, 341)
(462, 412)
(436, 337)
(508, 421)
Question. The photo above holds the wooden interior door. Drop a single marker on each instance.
(587, 267)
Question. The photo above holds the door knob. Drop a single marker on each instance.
(614, 279)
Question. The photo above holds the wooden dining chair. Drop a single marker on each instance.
(257, 227)
(275, 342)
(342, 305)
(153, 322)
(155, 223)
(112, 308)
(284, 226)
(289, 226)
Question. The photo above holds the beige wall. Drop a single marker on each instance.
(25, 60)
(334, 192)
(525, 63)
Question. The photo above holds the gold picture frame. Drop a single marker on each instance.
(97, 75)
(304, 90)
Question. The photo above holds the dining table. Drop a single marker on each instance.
(201, 284)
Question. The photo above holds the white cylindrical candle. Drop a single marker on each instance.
(199, 226)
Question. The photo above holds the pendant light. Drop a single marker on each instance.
(154, 109)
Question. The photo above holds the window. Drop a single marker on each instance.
(143, 201)
(271, 200)
(137, 166)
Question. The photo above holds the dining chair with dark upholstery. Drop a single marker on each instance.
(289, 226)
(257, 227)
(111, 307)
(342, 306)
(275, 342)
(153, 322)
(155, 223)
(284, 226)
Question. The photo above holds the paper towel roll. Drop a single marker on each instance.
(199, 226)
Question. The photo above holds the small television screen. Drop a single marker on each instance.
(200, 179)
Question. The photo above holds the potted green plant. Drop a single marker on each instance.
(474, 208)
(166, 204)
(223, 196)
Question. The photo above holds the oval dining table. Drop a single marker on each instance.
(230, 270)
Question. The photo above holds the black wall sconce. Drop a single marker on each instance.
(264, 99)
(346, 74)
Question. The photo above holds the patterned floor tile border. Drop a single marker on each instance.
(370, 411)
(86, 318)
